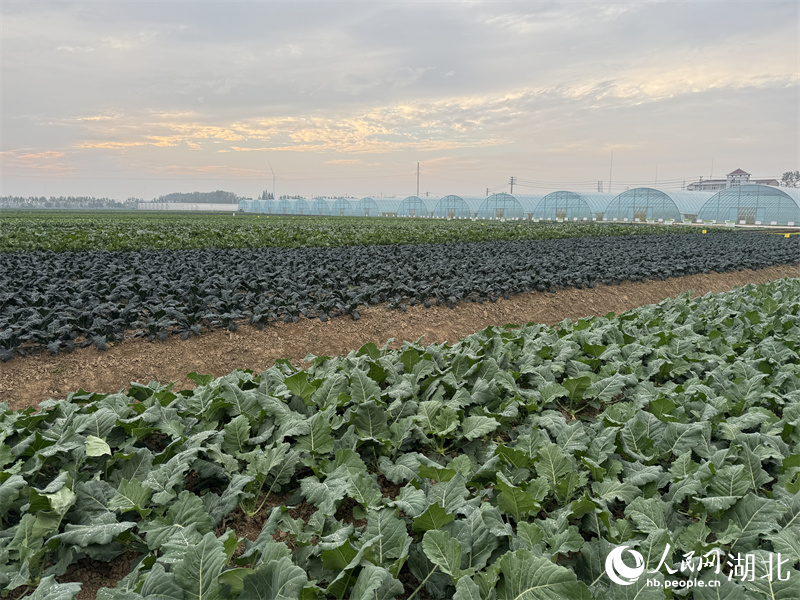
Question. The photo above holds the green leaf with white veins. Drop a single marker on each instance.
(611, 489)
(577, 386)
(754, 517)
(552, 462)
(243, 402)
(573, 438)
(609, 388)
(434, 517)
(298, 384)
(200, 568)
(477, 426)
(682, 437)
(236, 436)
(362, 388)
(370, 421)
(319, 439)
(101, 531)
(375, 583)
(364, 490)
(324, 494)
(403, 469)
(515, 501)
(327, 394)
(96, 447)
(187, 510)
(50, 589)
(449, 494)
(477, 541)
(443, 551)
(131, 495)
(525, 577)
(275, 580)
(393, 536)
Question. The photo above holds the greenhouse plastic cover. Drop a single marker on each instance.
(576, 205)
(501, 206)
(415, 203)
(753, 204)
(457, 206)
(655, 204)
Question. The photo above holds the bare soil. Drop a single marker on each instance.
(26, 381)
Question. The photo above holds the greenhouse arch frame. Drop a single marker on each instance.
(753, 204)
(501, 206)
(342, 207)
(649, 204)
(456, 207)
(564, 205)
(413, 206)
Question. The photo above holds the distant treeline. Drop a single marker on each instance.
(65, 202)
(218, 197)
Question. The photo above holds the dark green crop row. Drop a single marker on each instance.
(60, 231)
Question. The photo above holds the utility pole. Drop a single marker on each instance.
(512, 181)
(487, 192)
(600, 185)
(273, 179)
(417, 180)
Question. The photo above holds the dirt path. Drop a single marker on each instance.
(29, 380)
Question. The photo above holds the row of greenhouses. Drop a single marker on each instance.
(740, 205)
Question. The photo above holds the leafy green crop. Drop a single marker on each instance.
(58, 232)
(61, 300)
(505, 466)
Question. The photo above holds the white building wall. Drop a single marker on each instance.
(187, 206)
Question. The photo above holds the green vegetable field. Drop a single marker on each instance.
(26, 231)
(506, 466)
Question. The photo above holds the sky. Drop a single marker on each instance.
(123, 99)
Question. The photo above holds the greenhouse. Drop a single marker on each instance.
(413, 206)
(246, 205)
(342, 208)
(284, 206)
(264, 207)
(456, 207)
(301, 207)
(753, 205)
(371, 207)
(572, 206)
(529, 204)
(501, 206)
(648, 204)
(320, 207)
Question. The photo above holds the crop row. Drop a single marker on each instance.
(508, 465)
(59, 232)
(59, 300)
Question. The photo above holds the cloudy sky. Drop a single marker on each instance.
(140, 99)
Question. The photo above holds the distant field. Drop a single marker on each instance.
(27, 231)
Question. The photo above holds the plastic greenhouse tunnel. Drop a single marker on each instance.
(753, 205)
